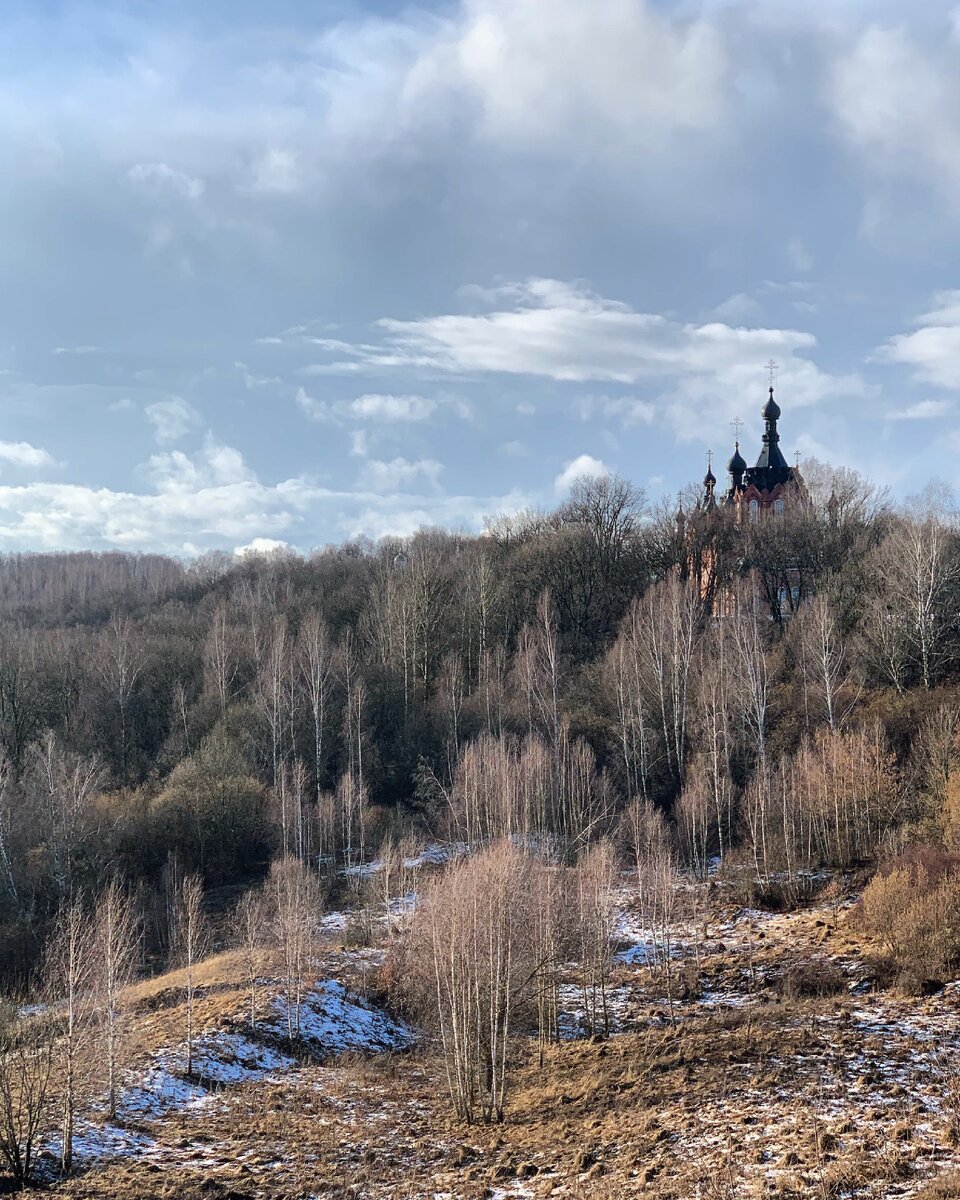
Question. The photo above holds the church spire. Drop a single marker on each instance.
(771, 461)
(709, 483)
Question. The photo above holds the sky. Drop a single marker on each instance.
(293, 272)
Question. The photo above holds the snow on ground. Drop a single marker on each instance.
(435, 854)
(158, 1090)
(620, 1001)
(227, 1058)
(332, 1021)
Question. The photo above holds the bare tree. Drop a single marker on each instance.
(662, 629)
(657, 891)
(647, 832)
(6, 822)
(121, 662)
(69, 981)
(69, 783)
(553, 936)
(191, 943)
(826, 668)
(221, 658)
(471, 963)
(716, 706)
(696, 823)
(596, 880)
(633, 720)
(250, 929)
(115, 949)
(271, 691)
(351, 805)
(539, 671)
(293, 897)
(315, 666)
(919, 567)
(27, 1072)
(752, 672)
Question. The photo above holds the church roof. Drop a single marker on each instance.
(771, 468)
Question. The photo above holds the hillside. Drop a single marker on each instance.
(616, 851)
(748, 1083)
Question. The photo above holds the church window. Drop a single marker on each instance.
(754, 512)
(778, 509)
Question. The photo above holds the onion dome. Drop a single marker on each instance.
(709, 480)
(771, 410)
(737, 464)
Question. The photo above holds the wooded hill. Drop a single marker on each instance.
(532, 681)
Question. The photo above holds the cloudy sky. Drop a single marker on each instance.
(299, 270)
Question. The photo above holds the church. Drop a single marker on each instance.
(767, 488)
(716, 549)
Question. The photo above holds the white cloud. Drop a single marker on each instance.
(59, 350)
(399, 474)
(628, 410)
(922, 410)
(25, 455)
(251, 382)
(316, 410)
(898, 106)
(262, 546)
(277, 171)
(620, 69)
(214, 499)
(216, 466)
(161, 179)
(583, 466)
(171, 419)
(378, 407)
(564, 332)
(738, 307)
(932, 350)
(800, 257)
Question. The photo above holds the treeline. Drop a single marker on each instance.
(782, 692)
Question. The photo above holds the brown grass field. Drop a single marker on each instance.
(753, 1086)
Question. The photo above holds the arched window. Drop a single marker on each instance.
(754, 512)
(778, 509)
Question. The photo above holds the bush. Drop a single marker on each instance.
(912, 907)
(819, 977)
(774, 894)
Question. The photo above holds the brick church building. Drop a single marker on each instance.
(715, 532)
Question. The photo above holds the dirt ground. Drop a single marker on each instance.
(750, 1085)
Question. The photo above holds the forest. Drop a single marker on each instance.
(488, 752)
(783, 694)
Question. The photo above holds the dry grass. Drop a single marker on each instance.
(791, 1096)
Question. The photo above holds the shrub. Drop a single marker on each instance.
(212, 812)
(913, 908)
(819, 977)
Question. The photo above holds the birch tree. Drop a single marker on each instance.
(293, 899)
(191, 944)
(315, 668)
(69, 977)
(472, 962)
(116, 937)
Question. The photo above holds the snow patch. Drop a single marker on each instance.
(332, 1020)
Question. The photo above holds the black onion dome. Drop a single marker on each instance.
(738, 464)
(709, 479)
(771, 410)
